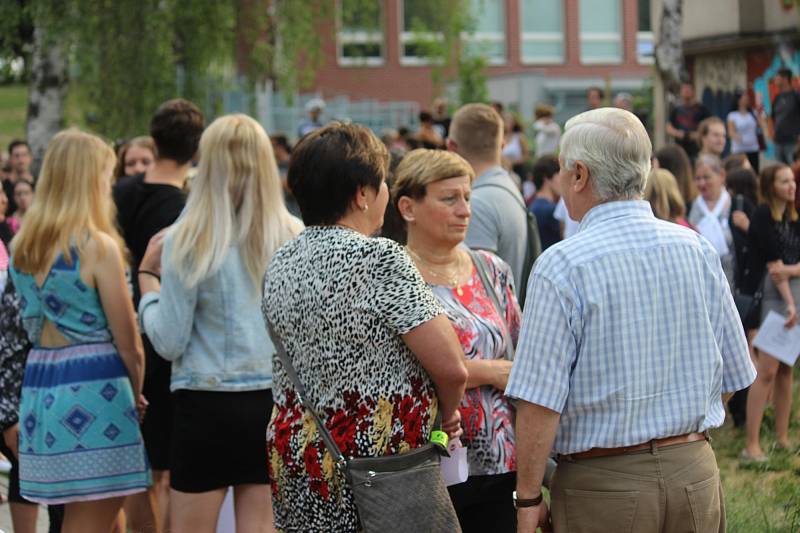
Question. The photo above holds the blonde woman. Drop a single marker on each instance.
(665, 197)
(431, 191)
(79, 439)
(205, 317)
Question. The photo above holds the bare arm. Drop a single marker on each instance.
(782, 284)
(109, 276)
(535, 431)
(493, 372)
(732, 131)
(672, 131)
(436, 346)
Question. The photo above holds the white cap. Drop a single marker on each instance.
(315, 103)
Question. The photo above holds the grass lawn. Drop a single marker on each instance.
(761, 498)
(13, 110)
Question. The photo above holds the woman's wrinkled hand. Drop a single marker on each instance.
(452, 426)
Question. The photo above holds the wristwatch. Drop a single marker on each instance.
(530, 502)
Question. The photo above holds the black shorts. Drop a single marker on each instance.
(157, 424)
(219, 439)
(13, 476)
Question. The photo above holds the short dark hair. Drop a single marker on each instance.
(176, 128)
(18, 142)
(600, 92)
(785, 73)
(329, 165)
(425, 116)
(545, 168)
(281, 140)
(743, 181)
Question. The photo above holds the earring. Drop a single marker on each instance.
(365, 207)
(408, 218)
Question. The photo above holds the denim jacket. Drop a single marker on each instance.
(214, 333)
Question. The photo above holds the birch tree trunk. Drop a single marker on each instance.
(46, 95)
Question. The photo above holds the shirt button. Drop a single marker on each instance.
(212, 381)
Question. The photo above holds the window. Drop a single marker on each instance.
(489, 36)
(419, 39)
(360, 36)
(600, 31)
(542, 39)
(645, 42)
(422, 38)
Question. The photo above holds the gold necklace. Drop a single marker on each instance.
(450, 277)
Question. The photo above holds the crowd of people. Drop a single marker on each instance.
(209, 307)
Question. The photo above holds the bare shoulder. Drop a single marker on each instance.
(100, 253)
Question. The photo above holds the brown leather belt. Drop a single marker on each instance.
(655, 443)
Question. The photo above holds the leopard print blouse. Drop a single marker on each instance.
(340, 302)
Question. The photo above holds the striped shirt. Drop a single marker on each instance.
(631, 333)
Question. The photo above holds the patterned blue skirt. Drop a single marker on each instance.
(79, 435)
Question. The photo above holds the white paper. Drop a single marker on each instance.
(455, 469)
(774, 339)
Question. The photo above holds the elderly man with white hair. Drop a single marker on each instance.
(629, 343)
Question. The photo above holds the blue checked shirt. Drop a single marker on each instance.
(630, 332)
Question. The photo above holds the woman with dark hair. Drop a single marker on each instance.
(369, 342)
(673, 158)
(743, 128)
(775, 262)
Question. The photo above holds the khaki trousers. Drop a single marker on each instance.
(661, 490)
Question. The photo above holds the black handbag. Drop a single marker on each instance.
(402, 493)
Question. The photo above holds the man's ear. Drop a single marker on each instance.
(405, 206)
(451, 145)
(581, 176)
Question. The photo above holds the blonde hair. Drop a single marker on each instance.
(236, 199)
(73, 201)
(664, 195)
(421, 167)
(477, 129)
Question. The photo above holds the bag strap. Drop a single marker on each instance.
(480, 266)
(330, 444)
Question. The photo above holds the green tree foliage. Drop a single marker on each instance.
(127, 56)
(439, 29)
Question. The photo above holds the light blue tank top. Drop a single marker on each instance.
(63, 299)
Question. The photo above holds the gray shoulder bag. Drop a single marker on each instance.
(402, 493)
(480, 266)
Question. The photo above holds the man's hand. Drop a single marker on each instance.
(529, 518)
(11, 437)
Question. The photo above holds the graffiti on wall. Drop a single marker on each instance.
(717, 77)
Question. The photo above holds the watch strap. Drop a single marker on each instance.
(526, 502)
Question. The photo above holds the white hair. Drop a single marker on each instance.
(614, 146)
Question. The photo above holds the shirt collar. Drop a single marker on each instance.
(616, 209)
(490, 173)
